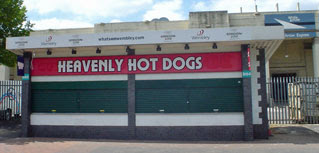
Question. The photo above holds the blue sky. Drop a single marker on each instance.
(59, 14)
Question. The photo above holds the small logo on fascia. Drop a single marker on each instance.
(75, 40)
(48, 42)
(168, 36)
(234, 34)
(201, 32)
(200, 35)
(294, 19)
(21, 42)
(49, 38)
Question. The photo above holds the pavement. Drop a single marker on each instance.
(302, 138)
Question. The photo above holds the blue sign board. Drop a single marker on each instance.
(300, 34)
(26, 77)
(246, 74)
(297, 25)
(20, 66)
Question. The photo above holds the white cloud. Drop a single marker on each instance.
(115, 20)
(170, 9)
(88, 8)
(201, 6)
(55, 23)
(249, 5)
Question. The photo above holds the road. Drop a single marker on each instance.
(285, 139)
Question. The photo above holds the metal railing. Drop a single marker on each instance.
(293, 100)
(10, 99)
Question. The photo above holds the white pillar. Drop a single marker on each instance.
(267, 70)
(4, 72)
(315, 55)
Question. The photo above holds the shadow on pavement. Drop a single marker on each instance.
(10, 129)
(10, 134)
(297, 134)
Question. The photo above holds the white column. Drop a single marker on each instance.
(4, 72)
(267, 70)
(315, 55)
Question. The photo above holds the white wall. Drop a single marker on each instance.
(189, 119)
(178, 76)
(66, 78)
(76, 119)
(142, 119)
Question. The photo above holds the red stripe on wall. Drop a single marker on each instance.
(164, 63)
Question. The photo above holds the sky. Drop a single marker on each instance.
(61, 14)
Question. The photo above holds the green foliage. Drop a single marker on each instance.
(13, 23)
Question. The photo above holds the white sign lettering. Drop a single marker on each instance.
(142, 64)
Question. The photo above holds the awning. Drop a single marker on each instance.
(269, 37)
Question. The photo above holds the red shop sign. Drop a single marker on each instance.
(164, 63)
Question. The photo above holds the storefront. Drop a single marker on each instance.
(195, 84)
(296, 56)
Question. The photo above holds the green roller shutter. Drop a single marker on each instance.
(79, 97)
(152, 96)
(189, 96)
(47, 100)
(208, 99)
(111, 101)
(155, 100)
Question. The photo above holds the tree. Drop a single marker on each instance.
(13, 23)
